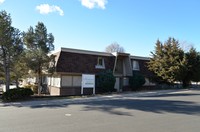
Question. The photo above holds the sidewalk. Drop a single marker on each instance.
(85, 99)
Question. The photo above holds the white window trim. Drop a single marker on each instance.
(137, 68)
(98, 66)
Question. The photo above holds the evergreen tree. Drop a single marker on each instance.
(39, 44)
(193, 65)
(19, 68)
(10, 44)
(167, 61)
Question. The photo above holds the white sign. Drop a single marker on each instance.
(88, 81)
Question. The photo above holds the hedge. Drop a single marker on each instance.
(105, 82)
(17, 94)
(136, 81)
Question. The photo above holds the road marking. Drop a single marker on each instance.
(68, 114)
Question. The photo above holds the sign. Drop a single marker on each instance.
(88, 81)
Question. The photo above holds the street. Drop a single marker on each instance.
(155, 111)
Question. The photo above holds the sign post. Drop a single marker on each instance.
(88, 81)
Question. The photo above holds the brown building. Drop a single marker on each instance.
(72, 63)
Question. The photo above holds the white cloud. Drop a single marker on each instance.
(46, 9)
(1, 1)
(94, 3)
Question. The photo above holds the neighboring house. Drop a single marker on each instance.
(70, 64)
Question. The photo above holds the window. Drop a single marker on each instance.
(54, 81)
(77, 81)
(66, 81)
(136, 65)
(100, 63)
(71, 81)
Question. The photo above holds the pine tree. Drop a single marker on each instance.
(39, 44)
(167, 60)
(193, 65)
(10, 45)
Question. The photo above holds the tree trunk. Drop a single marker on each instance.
(185, 84)
(17, 82)
(7, 78)
(6, 65)
(39, 82)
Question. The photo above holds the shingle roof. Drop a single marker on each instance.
(81, 63)
(84, 61)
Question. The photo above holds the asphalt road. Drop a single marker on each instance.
(165, 111)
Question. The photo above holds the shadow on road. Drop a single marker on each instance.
(171, 95)
(155, 106)
(160, 105)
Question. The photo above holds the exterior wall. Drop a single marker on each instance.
(125, 81)
(69, 85)
(70, 91)
(119, 67)
(121, 83)
(144, 71)
(71, 64)
(54, 90)
(54, 81)
(127, 67)
(123, 66)
(54, 85)
(122, 71)
(142, 67)
(117, 84)
(75, 91)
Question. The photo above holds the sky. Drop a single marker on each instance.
(136, 25)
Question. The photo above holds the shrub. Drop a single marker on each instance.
(105, 82)
(17, 94)
(136, 81)
(34, 88)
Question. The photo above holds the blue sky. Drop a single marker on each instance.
(94, 24)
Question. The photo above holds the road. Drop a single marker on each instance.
(160, 111)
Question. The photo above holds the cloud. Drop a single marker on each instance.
(1, 1)
(46, 9)
(94, 3)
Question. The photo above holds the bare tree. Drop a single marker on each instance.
(114, 47)
(186, 46)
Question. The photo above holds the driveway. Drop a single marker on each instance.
(158, 111)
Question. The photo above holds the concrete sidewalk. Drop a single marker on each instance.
(84, 99)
